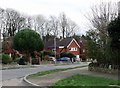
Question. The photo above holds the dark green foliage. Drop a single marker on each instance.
(34, 61)
(114, 33)
(17, 60)
(23, 61)
(47, 53)
(6, 59)
(27, 40)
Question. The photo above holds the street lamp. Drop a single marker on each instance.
(55, 47)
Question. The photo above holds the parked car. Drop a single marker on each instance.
(52, 58)
(63, 59)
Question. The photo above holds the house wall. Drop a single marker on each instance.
(74, 45)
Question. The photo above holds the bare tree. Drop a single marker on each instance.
(71, 28)
(28, 22)
(63, 23)
(100, 17)
(68, 27)
(48, 28)
(39, 23)
(2, 22)
(54, 25)
(11, 22)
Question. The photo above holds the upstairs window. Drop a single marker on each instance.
(73, 49)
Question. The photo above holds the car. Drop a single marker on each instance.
(63, 59)
(52, 58)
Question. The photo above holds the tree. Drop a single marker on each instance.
(54, 25)
(92, 47)
(67, 26)
(27, 41)
(114, 33)
(28, 22)
(100, 18)
(63, 23)
(1, 22)
(72, 27)
(13, 21)
(39, 22)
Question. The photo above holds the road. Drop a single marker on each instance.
(14, 77)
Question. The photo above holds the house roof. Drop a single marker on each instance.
(50, 43)
(75, 42)
(59, 42)
(64, 42)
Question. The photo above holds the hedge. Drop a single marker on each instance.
(6, 59)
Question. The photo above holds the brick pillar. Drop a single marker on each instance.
(39, 60)
(30, 60)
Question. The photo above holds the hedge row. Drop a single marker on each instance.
(106, 68)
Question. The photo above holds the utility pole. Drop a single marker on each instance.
(55, 46)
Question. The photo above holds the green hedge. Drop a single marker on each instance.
(17, 60)
(6, 59)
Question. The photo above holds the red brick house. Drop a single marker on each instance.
(67, 45)
(7, 45)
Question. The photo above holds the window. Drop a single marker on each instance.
(73, 49)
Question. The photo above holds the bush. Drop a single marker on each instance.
(17, 60)
(47, 53)
(6, 59)
(22, 61)
(34, 61)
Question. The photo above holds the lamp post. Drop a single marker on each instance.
(55, 47)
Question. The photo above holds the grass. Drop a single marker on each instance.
(51, 71)
(86, 82)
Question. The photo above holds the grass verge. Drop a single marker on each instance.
(5, 67)
(51, 71)
(84, 81)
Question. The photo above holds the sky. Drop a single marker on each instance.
(74, 9)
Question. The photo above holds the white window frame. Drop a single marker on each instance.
(73, 49)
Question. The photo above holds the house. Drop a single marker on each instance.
(7, 45)
(70, 45)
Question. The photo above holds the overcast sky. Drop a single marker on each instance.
(74, 9)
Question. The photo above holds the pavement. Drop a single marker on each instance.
(47, 80)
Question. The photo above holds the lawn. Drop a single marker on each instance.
(84, 81)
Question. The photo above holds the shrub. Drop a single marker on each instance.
(17, 60)
(47, 53)
(6, 59)
(22, 61)
(34, 61)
